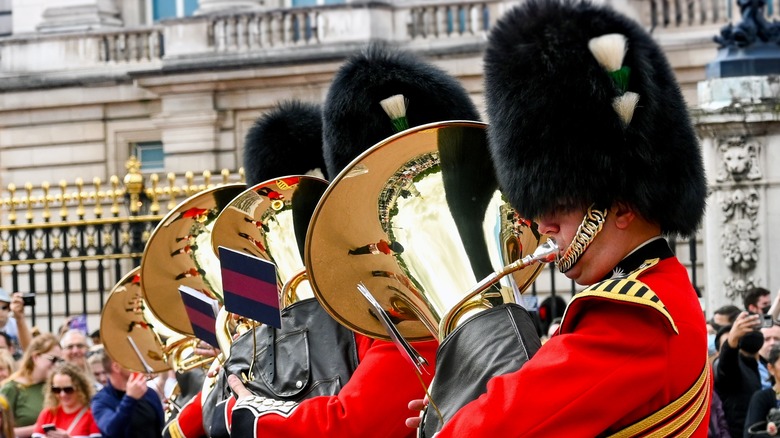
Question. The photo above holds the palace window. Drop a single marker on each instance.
(6, 25)
(162, 9)
(151, 155)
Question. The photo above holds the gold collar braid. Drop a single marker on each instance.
(591, 224)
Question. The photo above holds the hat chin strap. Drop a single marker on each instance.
(591, 224)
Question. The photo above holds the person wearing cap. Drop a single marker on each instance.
(12, 320)
(371, 402)
(591, 139)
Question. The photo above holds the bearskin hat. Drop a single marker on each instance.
(353, 117)
(286, 140)
(566, 129)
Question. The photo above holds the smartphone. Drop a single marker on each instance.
(49, 427)
(766, 321)
(28, 299)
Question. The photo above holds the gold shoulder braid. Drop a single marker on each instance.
(627, 289)
(682, 416)
(174, 430)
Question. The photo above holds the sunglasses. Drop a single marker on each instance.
(54, 359)
(65, 389)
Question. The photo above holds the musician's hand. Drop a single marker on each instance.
(204, 349)
(238, 388)
(214, 371)
(416, 405)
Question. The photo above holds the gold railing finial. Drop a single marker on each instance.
(154, 194)
(172, 187)
(47, 198)
(29, 201)
(80, 210)
(115, 194)
(98, 197)
(64, 197)
(134, 183)
(12, 204)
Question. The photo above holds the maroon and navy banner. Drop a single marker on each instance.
(249, 287)
(202, 311)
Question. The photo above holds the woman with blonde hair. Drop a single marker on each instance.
(7, 365)
(66, 410)
(24, 388)
(6, 420)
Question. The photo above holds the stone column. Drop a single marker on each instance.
(739, 123)
(738, 120)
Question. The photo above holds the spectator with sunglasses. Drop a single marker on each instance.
(66, 412)
(24, 388)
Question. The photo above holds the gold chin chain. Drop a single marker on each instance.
(589, 228)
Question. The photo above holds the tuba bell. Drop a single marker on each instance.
(269, 221)
(137, 339)
(419, 219)
(179, 252)
(132, 335)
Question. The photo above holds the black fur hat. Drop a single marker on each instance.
(353, 118)
(287, 140)
(556, 138)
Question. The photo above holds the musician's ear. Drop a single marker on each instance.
(623, 215)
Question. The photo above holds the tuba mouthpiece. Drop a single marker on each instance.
(545, 253)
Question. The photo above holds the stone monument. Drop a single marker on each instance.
(738, 120)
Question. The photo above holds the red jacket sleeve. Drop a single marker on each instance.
(373, 402)
(613, 370)
(189, 422)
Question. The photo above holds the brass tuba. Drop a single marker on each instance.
(419, 219)
(132, 335)
(179, 252)
(269, 221)
(137, 339)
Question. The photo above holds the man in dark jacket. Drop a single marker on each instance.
(126, 407)
(737, 376)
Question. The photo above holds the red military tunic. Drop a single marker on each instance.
(372, 404)
(613, 362)
(189, 422)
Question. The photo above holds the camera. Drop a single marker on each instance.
(28, 299)
(764, 321)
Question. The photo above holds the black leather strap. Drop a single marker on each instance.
(494, 342)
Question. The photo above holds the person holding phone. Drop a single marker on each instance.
(126, 407)
(12, 319)
(66, 412)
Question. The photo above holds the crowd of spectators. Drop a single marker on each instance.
(64, 385)
(745, 355)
